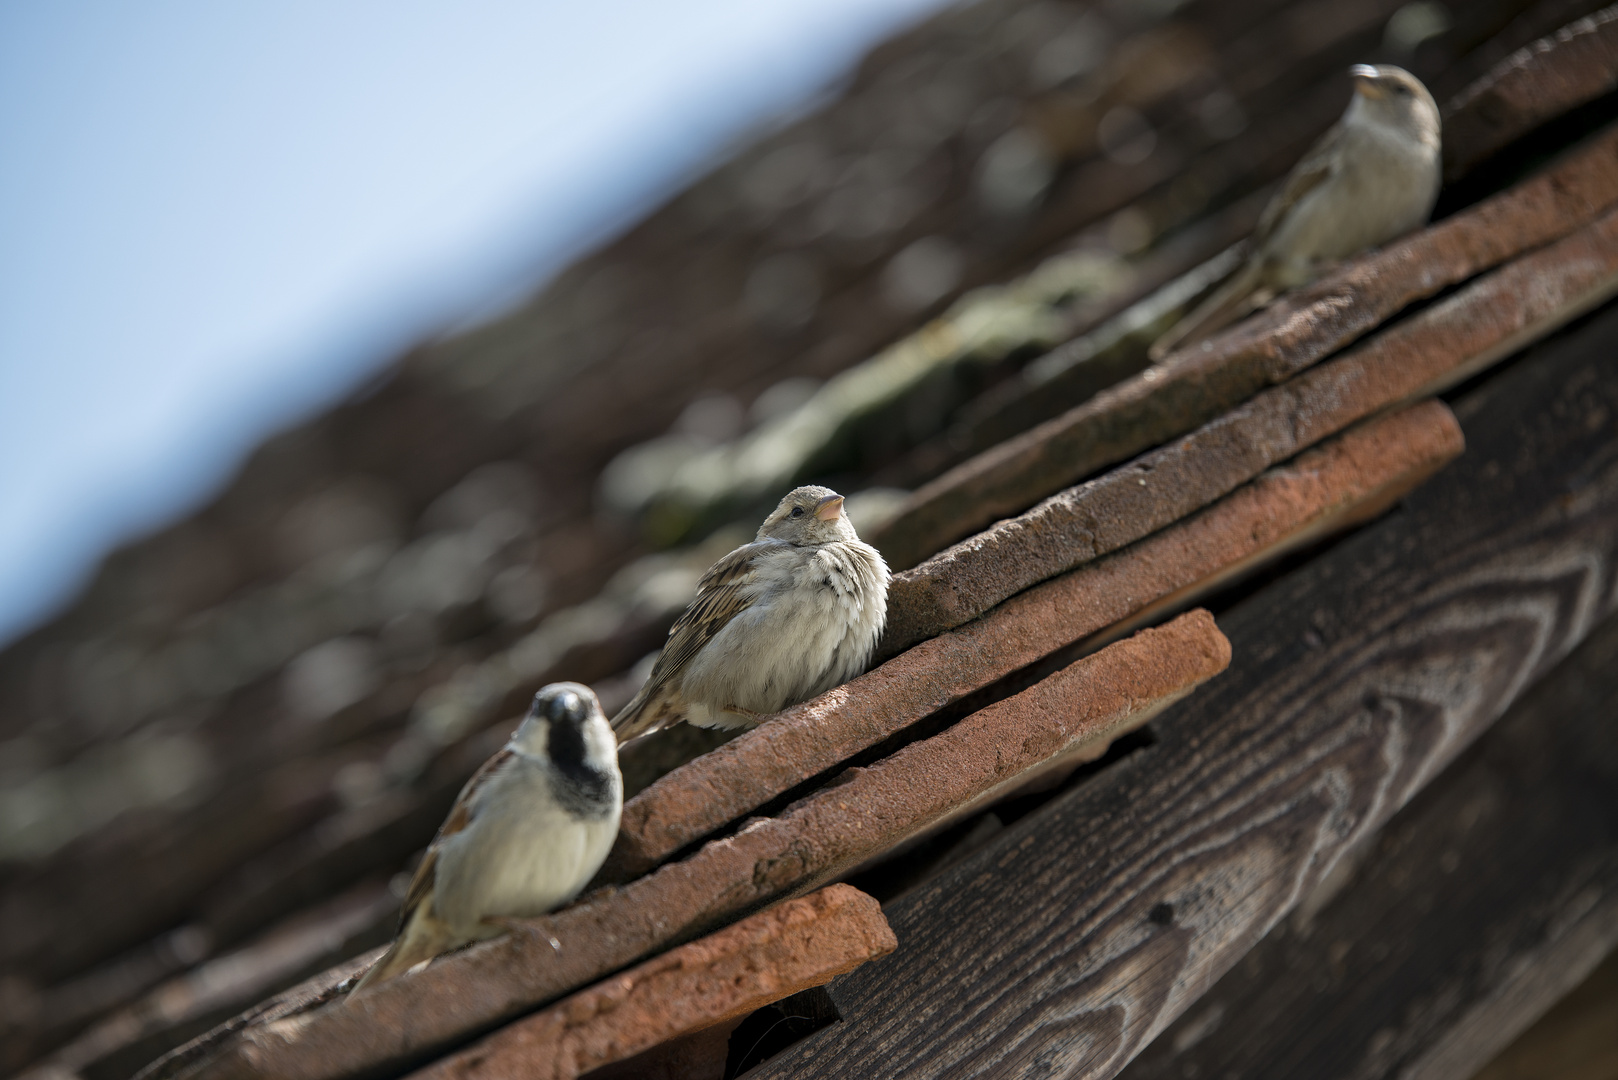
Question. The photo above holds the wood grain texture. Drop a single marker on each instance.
(1576, 1040)
(1483, 901)
(1072, 941)
(863, 813)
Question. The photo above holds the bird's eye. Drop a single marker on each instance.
(797, 511)
(1401, 89)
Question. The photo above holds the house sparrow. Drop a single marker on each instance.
(775, 622)
(529, 830)
(1371, 178)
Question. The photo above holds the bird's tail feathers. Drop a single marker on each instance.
(1235, 298)
(642, 715)
(422, 939)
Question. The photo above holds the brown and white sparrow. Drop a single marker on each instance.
(528, 832)
(1371, 178)
(777, 621)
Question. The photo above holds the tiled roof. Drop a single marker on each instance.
(332, 672)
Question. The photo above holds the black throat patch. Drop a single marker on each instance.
(582, 789)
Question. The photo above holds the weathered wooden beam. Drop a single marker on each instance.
(1194, 386)
(1346, 479)
(791, 947)
(1479, 905)
(1073, 940)
(1575, 1040)
(855, 818)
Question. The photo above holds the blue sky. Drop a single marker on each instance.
(217, 217)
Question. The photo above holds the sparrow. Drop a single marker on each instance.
(777, 621)
(1372, 177)
(528, 832)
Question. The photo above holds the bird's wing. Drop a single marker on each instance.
(460, 816)
(722, 594)
(1316, 167)
(1239, 294)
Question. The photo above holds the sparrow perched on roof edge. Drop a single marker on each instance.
(777, 621)
(1371, 178)
(528, 832)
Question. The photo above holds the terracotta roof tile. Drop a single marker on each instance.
(1352, 476)
(1480, 324)
(863, 813)
(1536, 83)
(1194, 386)
(790, 947)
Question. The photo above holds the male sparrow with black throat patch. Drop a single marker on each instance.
(528, 832)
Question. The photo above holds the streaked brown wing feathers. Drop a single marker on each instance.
(1307, 175)
(460, 816)
(722, 593)
(719, 600)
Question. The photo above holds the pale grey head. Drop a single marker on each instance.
(808, 516)
(1392, 97)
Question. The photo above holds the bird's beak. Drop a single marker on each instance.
(1367, 82)
(831, 508)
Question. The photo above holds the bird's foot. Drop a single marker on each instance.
(755, 717)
